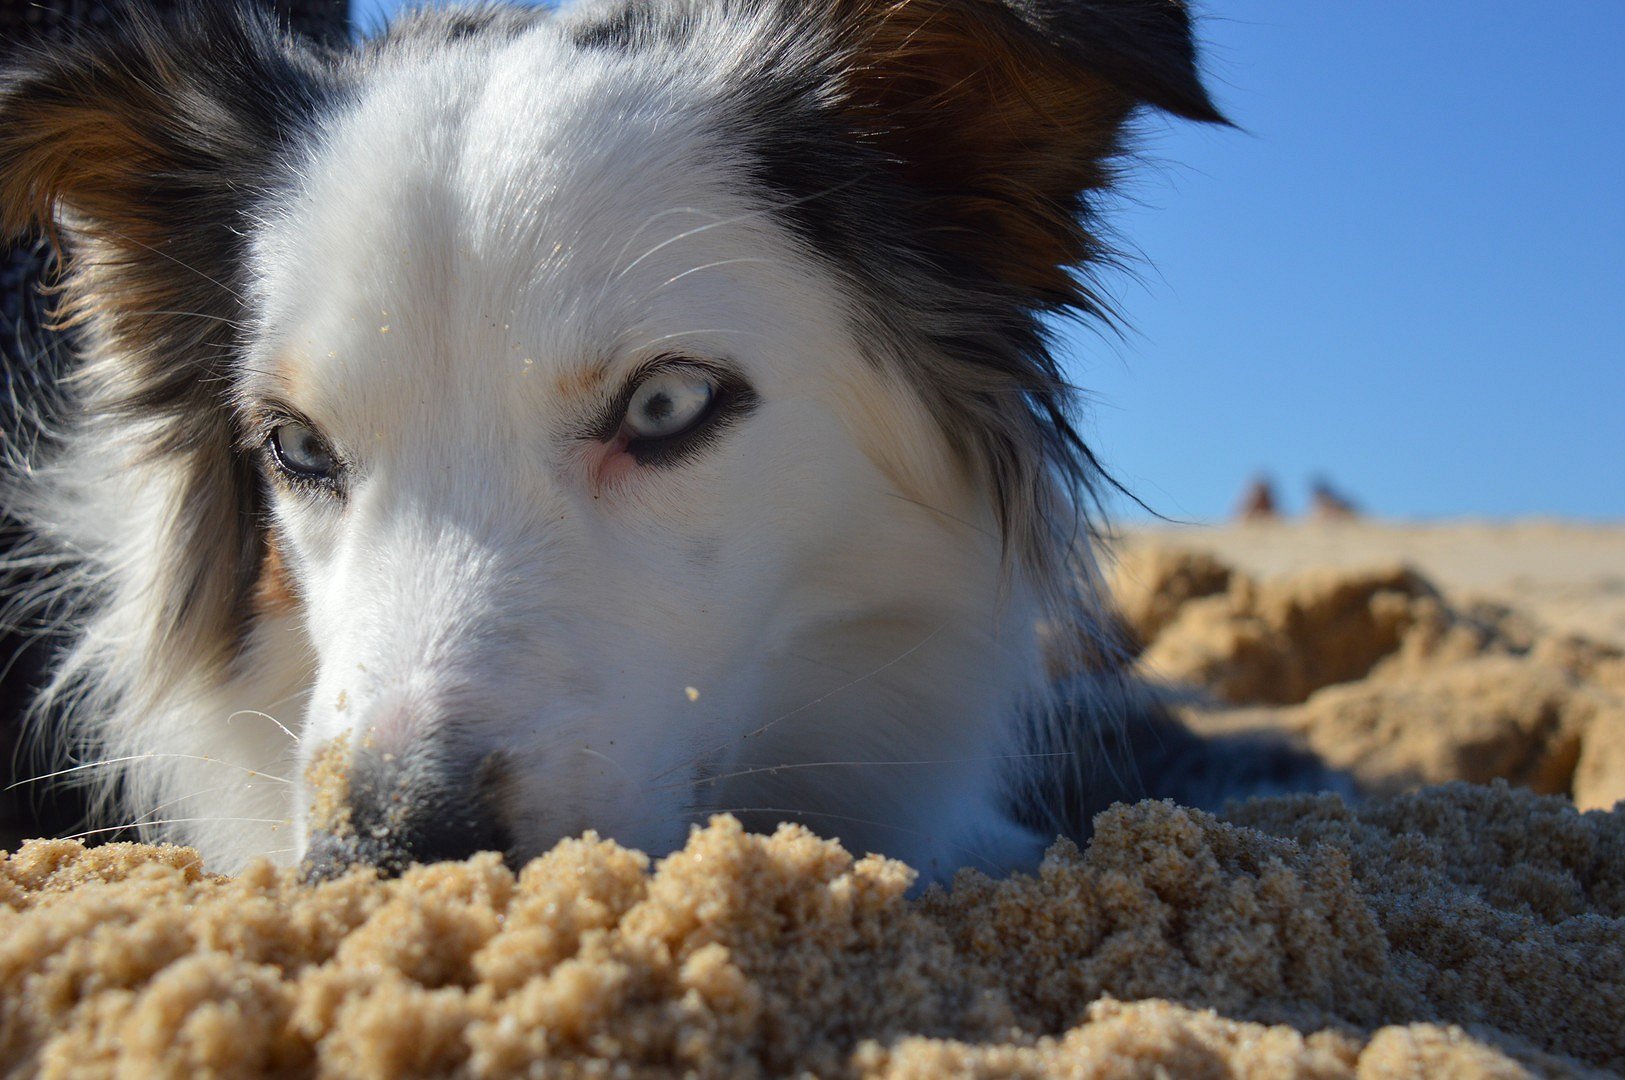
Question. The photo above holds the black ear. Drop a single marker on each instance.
(1004, 116)
(1143, 47)
(143, 152)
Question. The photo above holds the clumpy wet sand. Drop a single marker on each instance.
(1462, 930)
(1437, 928)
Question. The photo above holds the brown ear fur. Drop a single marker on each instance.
(139, 153)
(146, 147)
(1005, 118)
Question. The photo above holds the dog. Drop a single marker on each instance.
(597, 419)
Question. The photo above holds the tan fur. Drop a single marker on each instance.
(274, 591)
(1000, 130)
(579, 383)
(88, 154)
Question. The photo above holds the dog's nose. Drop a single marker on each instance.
(407, 809)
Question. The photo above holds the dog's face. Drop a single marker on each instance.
(619, 417)
(579, 475)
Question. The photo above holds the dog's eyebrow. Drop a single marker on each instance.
(268, 384)
(259, 413)
(585, 381)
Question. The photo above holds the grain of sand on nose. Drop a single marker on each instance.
(328, 780)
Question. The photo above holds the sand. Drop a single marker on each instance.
(1568, 576)
(1434, 928)
(1462, 931)
(1405, 657)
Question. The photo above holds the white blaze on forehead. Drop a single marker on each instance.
(535, 210)
(530, 225)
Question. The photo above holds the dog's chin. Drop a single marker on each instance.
(639, 804)
(655, 826)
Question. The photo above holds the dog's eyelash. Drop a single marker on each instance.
(729, 405)
(262, 418)
(258, 441)
(732, 399)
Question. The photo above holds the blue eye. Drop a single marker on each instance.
(669, 403)
(301, 453)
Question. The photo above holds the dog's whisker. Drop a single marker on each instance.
(755, 770)
(165, 805)
(153, 755)
(735, 220)
(670, 240)
(174, 821)
(235, 324)
(899, 658)
(660, 215)
(590, 752)
(712, 266)
(610, 281)
(989, 533)
(264, 716)
(183, 264)
(651, 342)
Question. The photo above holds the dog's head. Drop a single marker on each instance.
(608, 407)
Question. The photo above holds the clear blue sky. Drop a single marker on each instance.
(1407, 271)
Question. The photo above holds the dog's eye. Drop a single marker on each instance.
(669, 403)
(301, 453)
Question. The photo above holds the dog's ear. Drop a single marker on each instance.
(1007, 115)
(148, 145)
(141, 153)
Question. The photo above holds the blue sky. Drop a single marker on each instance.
(1406, 271)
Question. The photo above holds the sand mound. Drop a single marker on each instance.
(1381, 675)
(1447, 932)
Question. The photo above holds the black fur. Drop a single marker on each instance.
(1143, 46)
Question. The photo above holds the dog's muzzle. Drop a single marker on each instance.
(401, 810)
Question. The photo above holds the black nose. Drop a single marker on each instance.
(409, 809)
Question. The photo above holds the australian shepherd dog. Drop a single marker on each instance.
(585, 419)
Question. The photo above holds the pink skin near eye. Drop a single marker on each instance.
(609, 465)
(676, 395)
